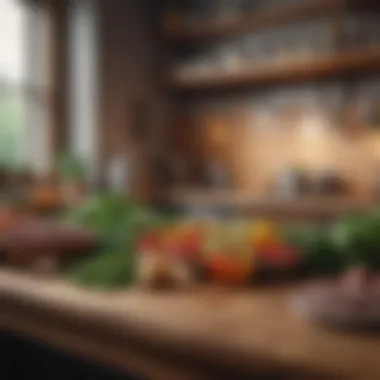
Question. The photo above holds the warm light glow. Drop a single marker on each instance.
(12, 41)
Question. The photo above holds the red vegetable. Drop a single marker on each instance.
(225, 270)
(278, 254)
(186, 246)
(151, 242)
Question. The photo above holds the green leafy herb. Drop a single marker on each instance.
(320, 254)
(118, 222)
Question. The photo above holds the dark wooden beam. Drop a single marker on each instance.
(58, 9)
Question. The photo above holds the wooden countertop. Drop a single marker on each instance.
(176, 335)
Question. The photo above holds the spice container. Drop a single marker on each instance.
(269, 46)
(227, 10)
(371, 23)
(285, 44)
(291, 182)
(303, 37)
(228, 58)
(352, 32)
(323, 37)
(252, 51)
(216, 175)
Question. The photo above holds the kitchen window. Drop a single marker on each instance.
(24, 86)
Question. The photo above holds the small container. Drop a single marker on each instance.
(329, 183)
(291, 183)
(229, 59)
(216, 175)
(323, 38)
(352, 31)
(304, 50)
(227, 10)
(117, 173)
(252, 51)
(370, 24)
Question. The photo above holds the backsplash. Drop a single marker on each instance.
(313, 127)
(317, 126)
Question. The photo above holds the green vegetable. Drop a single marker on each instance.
(106, 270)
(316, 245)
(354, 239)
(358, 238)
(114, 218)
(118, 222)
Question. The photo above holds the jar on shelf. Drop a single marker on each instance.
(303, 37)
(183, 69)
(202, 64)
(252, 51)
(285, 44)
(270, 43)
(323, 37)
(216, 175)
(228, 9)
(228, 58)
(352, 31)
(372, 28)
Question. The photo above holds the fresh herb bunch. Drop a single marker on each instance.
(352, 240)
(357, 237)
(118, 222)
(317, 247)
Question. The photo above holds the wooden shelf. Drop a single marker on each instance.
(334, 65)
(245, 203)
(253, 20)
(214, 197)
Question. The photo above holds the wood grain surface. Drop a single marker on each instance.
(348, 62)
(253, 21)
(203, 333)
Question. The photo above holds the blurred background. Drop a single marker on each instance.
(243, 108)
(192, 103)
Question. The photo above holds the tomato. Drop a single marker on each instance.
(151, 242)
(278, 254)
(185, 244)
(225, 270)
